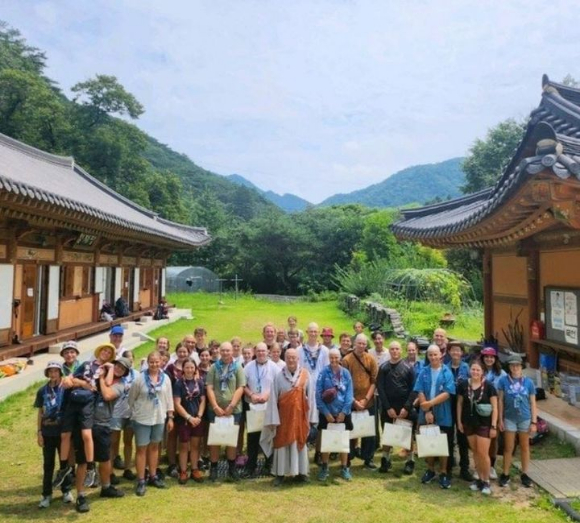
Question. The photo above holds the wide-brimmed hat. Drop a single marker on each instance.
(514, 359)
(106, 346)
(69, 345)
(327, 331)
(53, 365)
(456, 344)
(125, 362)
(489, 351)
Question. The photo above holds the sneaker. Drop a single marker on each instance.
(475, 486)
(90, 478)
(114, 479)
(409, 467)
(140, 489)
(111, 492)
(385, 465)
(172, 471)
(465, 475)
(118, 463)
(504, 480)
(444, 481)
(45, 502)
(492, 473)
(428, 477)
(278, 480)
(67, 497)
(182, 477)
(130, 475)
(526, 480)
(370, 465)
(61, 475)
(156, 482)
(82, 504)
(345, 473)
(302, 478)
(197, 475)
(486, 489)
(323, 473)
(213, 474)
(233, 474)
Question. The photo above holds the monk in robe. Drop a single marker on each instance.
(286, 423)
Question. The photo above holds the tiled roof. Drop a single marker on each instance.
(556, 122)
(41, 176)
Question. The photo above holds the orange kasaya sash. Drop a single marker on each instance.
(293, 412)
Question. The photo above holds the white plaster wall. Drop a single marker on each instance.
(118, 283)
(6, 294)
(100, 283)
(53, 292)
(136, 282)
(163, 281)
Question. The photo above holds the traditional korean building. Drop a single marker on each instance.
(528, 228)
(67, 244)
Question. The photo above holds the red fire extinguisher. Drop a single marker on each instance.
(537, 330)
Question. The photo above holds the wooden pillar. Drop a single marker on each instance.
(533, 271)
(487, 295)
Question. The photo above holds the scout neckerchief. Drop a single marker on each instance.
(190, 392)
(471, 394)
(310, 358)
(52, 401)
(225, 372)
(153, 389)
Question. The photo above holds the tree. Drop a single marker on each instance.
(487, 158)
(15, 53)
(104, 95)
(570, 81)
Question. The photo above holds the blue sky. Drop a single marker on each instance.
(311, 97)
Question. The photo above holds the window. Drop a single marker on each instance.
(76, 281)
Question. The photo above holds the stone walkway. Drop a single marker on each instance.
(135, 335)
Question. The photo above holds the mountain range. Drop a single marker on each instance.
(416, 184)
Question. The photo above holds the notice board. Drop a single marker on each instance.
(562, 315)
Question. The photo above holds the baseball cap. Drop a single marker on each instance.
(117, 329)
(489, 351)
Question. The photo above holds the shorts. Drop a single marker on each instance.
(119, 424)
(517, 426)
(471, 430)
(145, 434)
(101, 442)
(323, 424)
(77, 416)
(186, 431)
(211, 417)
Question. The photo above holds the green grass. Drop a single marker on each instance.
(369, 497)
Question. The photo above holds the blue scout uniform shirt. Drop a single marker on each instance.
(444, 383)
(344, 392)
(461, 373)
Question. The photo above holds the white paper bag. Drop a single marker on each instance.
(397, 435)
(432, 446)
(335, 441)
(255, 420)
(223, 435)
(363, 424)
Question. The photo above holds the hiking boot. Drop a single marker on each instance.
(140, 489)
(369, 464)
(385, 465)
(61, 475)
(213, 474)
(409, 467)
(67, 497)
(444, 481)
(465, 475)
(82, 504)
(45, 502)
(91, 478)
(114, 479)
(526, 480)
(345, 473)
(111, 492)
(197, 475)
(156, 482)
(118, 463)
(182, 477)
(278, 480)
(428, 477)
(486, 489)
(504, 480)
(323, 473)
(130, 475)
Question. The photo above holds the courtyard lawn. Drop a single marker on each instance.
(369, 497)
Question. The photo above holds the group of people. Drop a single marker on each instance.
(300, 382)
